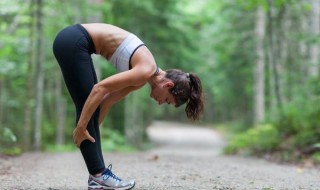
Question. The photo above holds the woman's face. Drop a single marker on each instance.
(160, 93)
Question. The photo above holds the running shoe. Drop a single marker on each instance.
(109, 181)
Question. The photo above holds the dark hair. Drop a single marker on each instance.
(187, 89)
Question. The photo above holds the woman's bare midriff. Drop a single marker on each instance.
(106, 38)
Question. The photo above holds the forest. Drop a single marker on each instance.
(258, 61)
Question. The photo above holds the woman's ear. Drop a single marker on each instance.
(169, 84)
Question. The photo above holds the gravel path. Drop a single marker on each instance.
(186, 158)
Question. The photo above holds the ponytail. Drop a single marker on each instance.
(195, 104)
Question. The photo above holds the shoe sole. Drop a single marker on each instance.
(101, 188)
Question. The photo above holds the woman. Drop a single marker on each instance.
(136, 66)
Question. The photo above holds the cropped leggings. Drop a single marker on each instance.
(72, 48)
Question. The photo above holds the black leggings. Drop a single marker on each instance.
(72, 48)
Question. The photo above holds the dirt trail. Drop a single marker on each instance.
(186, 158)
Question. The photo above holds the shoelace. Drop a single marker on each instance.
(108, 173)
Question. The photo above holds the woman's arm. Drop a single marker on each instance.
(132, 78)
(107, 86)
(143, 68)
(113, 98)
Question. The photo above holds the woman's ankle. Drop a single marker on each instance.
(97, 175)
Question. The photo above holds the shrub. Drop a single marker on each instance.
(298, 123)
(8, 142)
(114, 141)
(257, 140)
(316, 157)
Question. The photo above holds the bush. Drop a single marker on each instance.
(8, 142)
(298, 124)
(262, 138)
(113, 140)
(316, 157)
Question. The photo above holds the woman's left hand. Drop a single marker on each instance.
(80, 134)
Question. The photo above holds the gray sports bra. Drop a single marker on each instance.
(122, 56)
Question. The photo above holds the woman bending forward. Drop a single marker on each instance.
(136, 66)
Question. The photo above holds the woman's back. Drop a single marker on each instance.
(106, 37)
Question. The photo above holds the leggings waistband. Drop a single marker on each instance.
(91, 44)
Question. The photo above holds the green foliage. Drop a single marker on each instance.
(316, 157)
(294, 130)
(299, 122)
(113, 141)
(8, 136)
(232, 45)
(8, 142)
(60, 148)
(214, 39)
(257, 140)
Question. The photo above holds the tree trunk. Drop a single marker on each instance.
(282, 53)
(39, 76)
(29, 80)
(1, 101)
(134, 120)
(304, 51)
(315, 31)
(273, 63)
(259, 69)
(61, 112)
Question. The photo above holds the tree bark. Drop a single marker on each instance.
(315, 31)
(259, 68)
(281, 49)
(39, 75)
(273, 63)
(29, 80)
(303, 50)
(133, 120)
(61, 112)
(1, 101)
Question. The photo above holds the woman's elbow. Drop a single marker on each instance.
(98, 90)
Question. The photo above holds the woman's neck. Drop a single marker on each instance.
(157, 77)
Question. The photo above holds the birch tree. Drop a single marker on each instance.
(39, 75)
(315, 31)
(61, 111)
(29, 81)
(274, 81)
(259, 86)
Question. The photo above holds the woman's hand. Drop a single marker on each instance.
(81, 134)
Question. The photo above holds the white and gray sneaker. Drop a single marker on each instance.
(109, 181)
